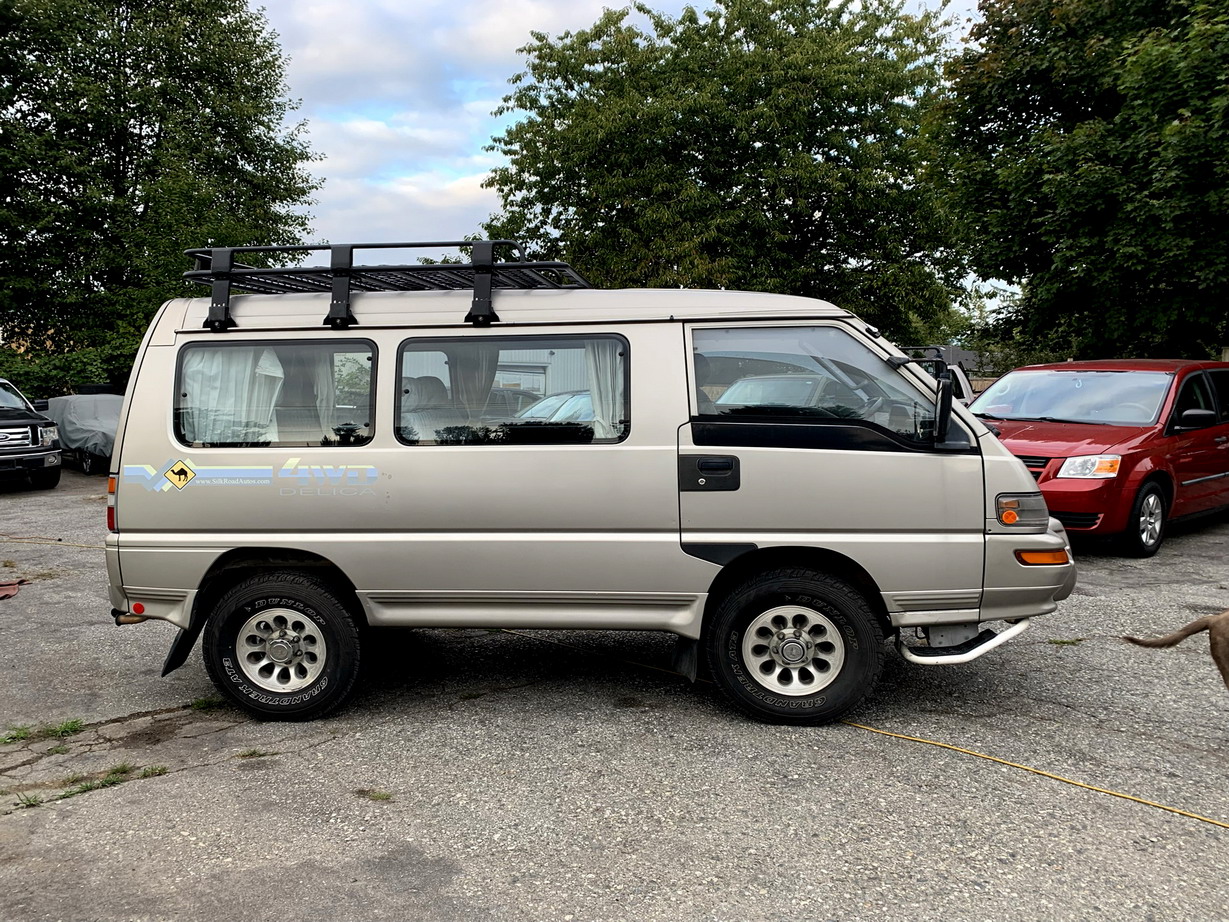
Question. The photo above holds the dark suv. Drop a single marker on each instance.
(29, 441)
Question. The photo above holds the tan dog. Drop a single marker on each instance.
(1217, 627)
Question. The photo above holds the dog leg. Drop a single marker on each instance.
(1220, 645)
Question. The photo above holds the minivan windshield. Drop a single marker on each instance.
(1121, 398)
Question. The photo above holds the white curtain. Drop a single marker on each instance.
(471, 369)
(230, 394)
(605, 366)
(326, 388)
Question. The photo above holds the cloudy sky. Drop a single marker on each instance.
(398, 94)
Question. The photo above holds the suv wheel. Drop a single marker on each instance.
(46, 479)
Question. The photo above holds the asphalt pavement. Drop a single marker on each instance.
(493, 775)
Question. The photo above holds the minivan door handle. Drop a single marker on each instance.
(708, 473)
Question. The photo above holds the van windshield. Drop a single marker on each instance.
(1120, 398)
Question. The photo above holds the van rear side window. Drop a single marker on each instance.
(275, 394)
(528, 390)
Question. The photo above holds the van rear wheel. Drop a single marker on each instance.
(795, 646)
(283, 646)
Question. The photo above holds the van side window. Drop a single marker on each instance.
(274, 394)
(530, 390)
(810, 374)
(1194, 395)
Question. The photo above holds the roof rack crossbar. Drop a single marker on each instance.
(216, 267)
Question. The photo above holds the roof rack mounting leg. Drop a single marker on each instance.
(219, 319)
(340, 316)
(481, 313)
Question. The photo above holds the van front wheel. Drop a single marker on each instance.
(283, 647)
(795, 646)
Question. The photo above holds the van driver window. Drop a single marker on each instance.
(808, 374)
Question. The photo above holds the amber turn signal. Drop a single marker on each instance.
(1041, 558)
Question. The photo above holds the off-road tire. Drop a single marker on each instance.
(283, 646)
(842, 637)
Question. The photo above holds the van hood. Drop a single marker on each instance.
(1066, 440)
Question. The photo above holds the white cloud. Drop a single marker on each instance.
(398, 96)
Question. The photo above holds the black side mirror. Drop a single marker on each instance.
(943, 400)
(943, 405)
(1195, 419)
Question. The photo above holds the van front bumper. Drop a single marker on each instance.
(1014, 590)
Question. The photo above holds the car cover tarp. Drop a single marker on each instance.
(87, 421)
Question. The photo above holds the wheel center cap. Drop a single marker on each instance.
(793, 651)
(281, 651)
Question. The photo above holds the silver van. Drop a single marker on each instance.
(763, 476)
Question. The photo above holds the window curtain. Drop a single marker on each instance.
(230, 394)
(605, 367)
(471, 369)
(325, 382)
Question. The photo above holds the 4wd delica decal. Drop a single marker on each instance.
(295, 478)
(299, 479)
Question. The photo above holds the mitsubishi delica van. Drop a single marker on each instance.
(310, 452)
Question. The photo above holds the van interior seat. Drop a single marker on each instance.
(426, 408)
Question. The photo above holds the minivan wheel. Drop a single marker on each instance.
(1146, 525)
(795, 646)
(282, 646)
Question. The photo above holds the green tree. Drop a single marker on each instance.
(770, 145)
(130, 132)
(1087, 142)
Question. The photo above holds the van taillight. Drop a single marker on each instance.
(111, 504)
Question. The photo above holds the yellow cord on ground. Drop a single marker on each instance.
(919, 739)
(15, 539)
(1037, 771)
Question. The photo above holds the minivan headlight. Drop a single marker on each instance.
(1022, 510)
(48, 434)
(1100, 467)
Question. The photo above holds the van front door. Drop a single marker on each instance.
(804, 436)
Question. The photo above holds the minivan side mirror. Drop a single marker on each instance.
(1195, 419)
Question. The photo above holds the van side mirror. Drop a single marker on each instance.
(943, 405)
(1195, 419)
(940, 371)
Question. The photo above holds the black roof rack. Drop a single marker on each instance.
(216, 267)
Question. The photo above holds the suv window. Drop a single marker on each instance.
(803, 374)
(447, 386)
(276, 394)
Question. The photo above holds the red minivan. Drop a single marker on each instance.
(1119, 446)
